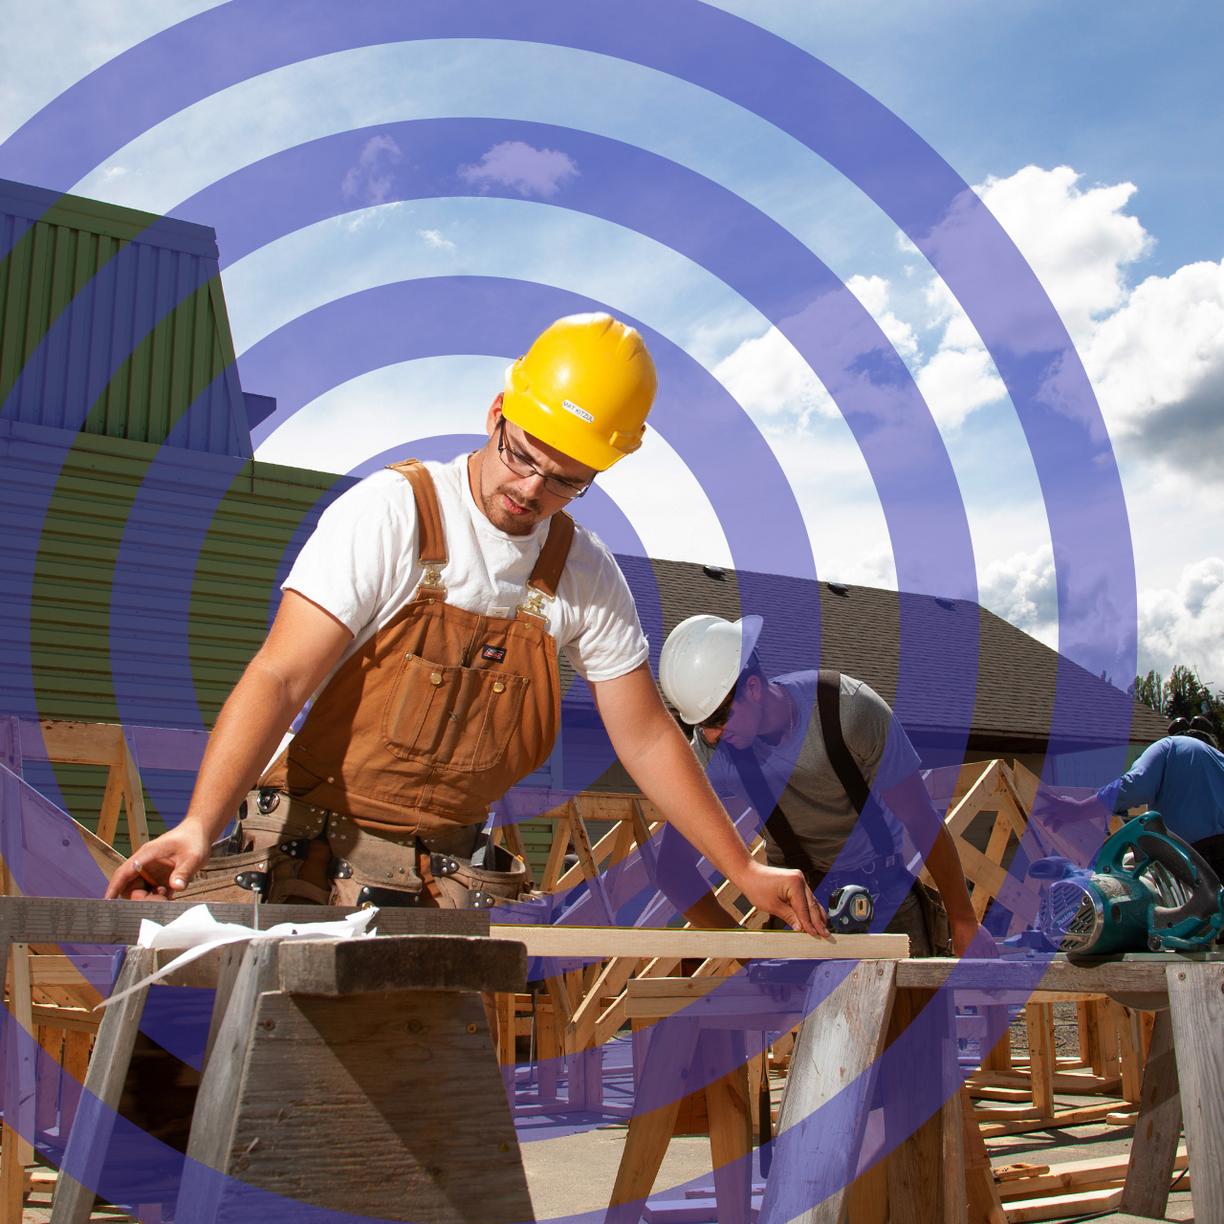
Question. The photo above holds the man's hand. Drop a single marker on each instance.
(1054, 810)
(968, 936)
(784, 894)
(162, 867)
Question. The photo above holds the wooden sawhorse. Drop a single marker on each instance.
(873, 1004)
(351, 1075)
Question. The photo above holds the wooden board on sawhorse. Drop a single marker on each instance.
(356, 1076)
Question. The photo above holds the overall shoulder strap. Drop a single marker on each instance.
(744, 762)
(551, 561)
(828, 704)
(431, 549)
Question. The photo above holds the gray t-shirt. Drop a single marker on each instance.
(802, 780)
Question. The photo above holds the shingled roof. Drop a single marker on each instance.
(948, 646)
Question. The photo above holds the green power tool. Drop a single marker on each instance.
(1147, 890)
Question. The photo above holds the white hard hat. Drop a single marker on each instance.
(701, 661)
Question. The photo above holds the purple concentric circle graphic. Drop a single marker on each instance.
(701, 221)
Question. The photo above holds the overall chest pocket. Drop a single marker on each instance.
(458, 718)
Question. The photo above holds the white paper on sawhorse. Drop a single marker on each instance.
(197, 932)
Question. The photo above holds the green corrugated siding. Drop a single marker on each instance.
(157, 315)
(537, 841)
(230, 583)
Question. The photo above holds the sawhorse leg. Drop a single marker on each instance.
(108, 1068)
(1196, 1009)
(700, 1054)
(834, 1058)
(926, 1170)
(663, 1086)
(1154, 1147)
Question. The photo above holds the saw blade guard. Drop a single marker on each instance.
(1187, 904)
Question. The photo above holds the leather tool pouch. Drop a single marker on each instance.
(464, 886)
(366, 869)
(270, 856)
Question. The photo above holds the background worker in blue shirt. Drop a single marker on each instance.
(1181, 777)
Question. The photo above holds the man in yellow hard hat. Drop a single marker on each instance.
(425, 614)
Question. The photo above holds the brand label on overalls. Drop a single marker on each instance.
(496, 654)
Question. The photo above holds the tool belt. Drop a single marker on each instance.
(284, 850)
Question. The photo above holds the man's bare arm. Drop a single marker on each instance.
(911, 804)
(651, 747)
(302, 646)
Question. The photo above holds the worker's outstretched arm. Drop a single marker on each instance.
(651, 747)
(302, 646)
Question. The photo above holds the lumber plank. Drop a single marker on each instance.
(557, 849)
(1092, 1174)
(996, 849)
(133, 797)
(71, 1019)
(730, 1119)
(980, 1188)
(1142, 975)
(336, 967)
(963, 810)
(918, 1165)
(1196, 1006)
(78, 743)
(599, 943)
(1063, 1206)
(1039, 1023)
(1154, 1147)
(836, 1053)
(581, 841)
(1072, 1116)
(112, 798)
(90, 920)
(18, 1087)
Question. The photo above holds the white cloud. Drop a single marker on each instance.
(1185, 624)
(1021, 589)
(873, 293)
(767, 375)
(436, 239)
(769, 378)
(957, 381)
(371, 179)
(1078, 241)
(1158, 366)
(522, 167)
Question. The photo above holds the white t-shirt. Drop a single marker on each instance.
(361, 565)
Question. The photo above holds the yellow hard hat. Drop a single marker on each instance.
(585, 387)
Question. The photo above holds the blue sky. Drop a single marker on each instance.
(1091, 131)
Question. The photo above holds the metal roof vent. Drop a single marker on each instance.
(714, 571)
(838, 588)
(944, 602)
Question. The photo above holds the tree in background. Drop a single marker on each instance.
(1150, 690)
(1182, 695)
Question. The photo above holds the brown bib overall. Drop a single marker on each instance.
(437, 715)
